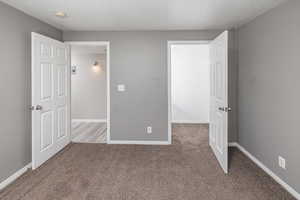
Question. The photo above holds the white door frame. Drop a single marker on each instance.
(107, 44)
(170, 43)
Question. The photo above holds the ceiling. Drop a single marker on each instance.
(145, 14)
(87, 49)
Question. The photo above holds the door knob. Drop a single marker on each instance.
(227, 109)
(221, 108)
(38, 107)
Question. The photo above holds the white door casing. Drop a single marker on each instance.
(218, 129)
(50, 98)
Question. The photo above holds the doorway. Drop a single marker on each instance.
(89, 92)
(190, 84)
(189, 65)
(190, 91)
(198, 92)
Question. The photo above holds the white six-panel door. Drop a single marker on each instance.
(50, 98)
(218, 137)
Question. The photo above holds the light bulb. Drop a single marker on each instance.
(96, 67)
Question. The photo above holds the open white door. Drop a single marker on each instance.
(50, 98)
(218, 129)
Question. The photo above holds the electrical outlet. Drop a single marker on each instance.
(281, 162)
(121, 88)
(149, 129)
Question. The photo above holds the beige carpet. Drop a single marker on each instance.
(186, 170)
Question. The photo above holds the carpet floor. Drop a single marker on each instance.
(185, 170)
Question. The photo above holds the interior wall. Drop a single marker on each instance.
(88, 87)
(190, 75)
(15, 86)
(269, 52)
(138, 59)
(233, 118)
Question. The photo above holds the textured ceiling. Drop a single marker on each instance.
(145, 14)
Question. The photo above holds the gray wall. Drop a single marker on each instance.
(88, 87)
(233, 86)
(269, 95)
(15, 65)
(139, 60)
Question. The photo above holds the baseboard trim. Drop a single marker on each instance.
(13, 177)
(188, 122)
(141, 142)
(89, 120)
(233, 144)
(291, 190)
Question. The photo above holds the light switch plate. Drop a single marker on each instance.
(121, 88)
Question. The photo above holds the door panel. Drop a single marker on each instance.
(46, 50)
(50, 98)
(46, 130)
(219, 82)
(219, 133)
(61, 80)
(61, 122)
(46, 81)
(219, 99)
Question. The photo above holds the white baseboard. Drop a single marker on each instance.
(13, 177)
(89, 120)
(291, 190)
(142, 142)
(233, 144)
(188, 122)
